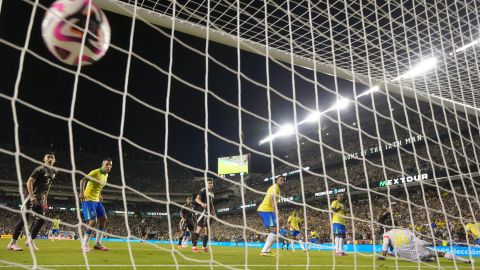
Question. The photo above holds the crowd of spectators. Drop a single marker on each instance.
(433, 209)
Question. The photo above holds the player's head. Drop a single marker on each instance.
(280, 180)
(107, 165)
(49, 158)
(339, 197)
(189, 200)
(209, 184)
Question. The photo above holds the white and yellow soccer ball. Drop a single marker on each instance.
(63, 28)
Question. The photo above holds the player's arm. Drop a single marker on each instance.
(336, 207)
(198, 200)
(386, 244)
(31, 194)
(273, 200)
(83, 182)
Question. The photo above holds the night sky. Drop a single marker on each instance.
(50, 88)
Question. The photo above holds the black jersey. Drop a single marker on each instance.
(203, 197)
(187, 212)
(43, 180)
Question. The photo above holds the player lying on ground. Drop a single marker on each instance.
(407, 246)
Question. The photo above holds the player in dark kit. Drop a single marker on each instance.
(203, 219)
(143, 230)
(38, 185)
(187, 223)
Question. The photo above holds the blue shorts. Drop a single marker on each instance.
(55, 231)
(477, 241)
(268, 218)
(92, 210)
(338, 228)
(294, 233)
(313, 240)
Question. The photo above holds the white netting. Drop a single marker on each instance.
(323, 93)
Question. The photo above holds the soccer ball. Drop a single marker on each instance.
(62, 31)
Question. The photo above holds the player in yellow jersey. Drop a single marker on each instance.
(55, 229)
(473, 229)
(338, 226)
(407, 246)
(313, 239)
(294, 222)
(268, 211)
(93, 211)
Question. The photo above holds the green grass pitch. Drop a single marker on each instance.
(67, 255)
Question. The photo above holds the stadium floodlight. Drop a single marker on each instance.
(311, 118)
(284, 131)
(466, 46)
(419, 69)
(369, 91)
(342, 103)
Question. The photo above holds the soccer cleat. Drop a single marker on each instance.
(179, 246)
(86, 249)
(101, 248)
(14, 247)
(184, 246)
(31, 243)
(204, 249)
(340, 253)
(195, 249)
(267, 254)
(471, 261)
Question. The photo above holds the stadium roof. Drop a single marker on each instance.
(374, 43)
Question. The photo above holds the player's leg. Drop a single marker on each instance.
(292, 240)
(300, 241)
(341, 242)
(269, 220)
(205, 240)
(102, 223)
(37, 224)
(90, 217)
(188, 234)
(16, 233)
(336, 235)
(451, 256)
(180, 239)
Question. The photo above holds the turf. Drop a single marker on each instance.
(67, 255)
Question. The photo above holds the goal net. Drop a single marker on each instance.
(375, 101)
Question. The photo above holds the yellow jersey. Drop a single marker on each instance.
(473, 229)
(97, 179)
(266, 205)
(313, 235)
(294, 223)
(56, 223)
(339, 216)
